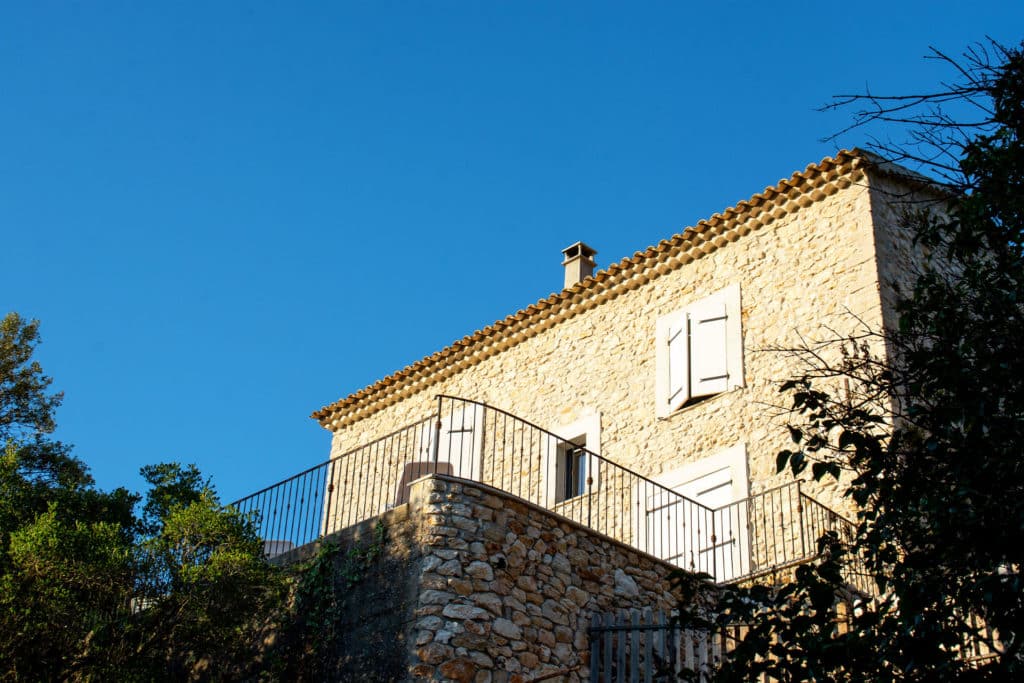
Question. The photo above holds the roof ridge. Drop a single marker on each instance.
(707, 235)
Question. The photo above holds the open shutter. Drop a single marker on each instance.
(678, 364)
(699, 351)
(549, 457)
(709, 353)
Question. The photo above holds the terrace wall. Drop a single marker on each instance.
(476, 585)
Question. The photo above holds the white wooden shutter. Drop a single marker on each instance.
(699, 351)
(712, 490)
(460, 442)
(549, 455)
(678, 363)
(717, 483)
(725, 557)
(709, 353)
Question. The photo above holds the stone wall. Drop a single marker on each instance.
(475, 585)
(507, 588)
(805, 275)
(375, 614)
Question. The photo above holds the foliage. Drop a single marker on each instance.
(89, 589)
(207, 591)
(63, 581)
(313, 636)
(35, 469)
(171, 585)
(27, 409)
(171, 485)
(929, 442)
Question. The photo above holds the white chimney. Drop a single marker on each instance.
(579, 263)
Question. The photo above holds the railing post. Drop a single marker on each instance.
(714, 548)
(800, 514)
(437, 435)
(590, 485)
(330, 497)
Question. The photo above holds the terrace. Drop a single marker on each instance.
(745, 539)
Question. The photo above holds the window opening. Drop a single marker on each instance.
(574, 471)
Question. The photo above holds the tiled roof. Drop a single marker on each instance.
(791, 194)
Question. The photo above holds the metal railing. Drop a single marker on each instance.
(655, 647)
(302, 508)
(652, 647)
(471, 440)
(785, 524)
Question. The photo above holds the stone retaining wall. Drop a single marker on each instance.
(506, 589)
(474, 585)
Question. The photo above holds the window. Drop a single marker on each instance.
(699, 351)
(571, 469)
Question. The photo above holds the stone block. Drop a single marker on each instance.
(454, 611)
(506, 629)
(434, 653)
(480, 570)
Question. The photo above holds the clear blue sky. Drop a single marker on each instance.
(227, 215)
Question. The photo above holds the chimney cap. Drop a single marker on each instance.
(576, 250)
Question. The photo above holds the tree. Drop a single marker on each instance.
(60, 539)
(929, 439)
(91, 590)
(36, 467)
(205, 593)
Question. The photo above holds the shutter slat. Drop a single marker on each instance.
(709, 347)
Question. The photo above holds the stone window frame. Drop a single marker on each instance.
(734, 458)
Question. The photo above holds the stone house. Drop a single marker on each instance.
(566, 458)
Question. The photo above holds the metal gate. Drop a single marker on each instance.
(646, 646)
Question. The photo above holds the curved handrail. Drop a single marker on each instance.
(589, 452)
(336, 458)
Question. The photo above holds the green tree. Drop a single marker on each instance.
(929, 441)
(36, 469)
(64, 546)
(89, 590)
(209, 596)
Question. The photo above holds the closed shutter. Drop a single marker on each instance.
(709, 353)
(459, 450)
(460, 442)
(678, 363)
(724, 557)
(679, 530)
(713, 490)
